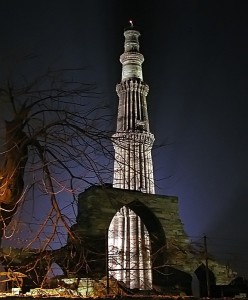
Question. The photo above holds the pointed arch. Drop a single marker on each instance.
(149, 242)
(202, 277)
(129, 250)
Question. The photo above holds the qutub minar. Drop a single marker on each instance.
(133, 170)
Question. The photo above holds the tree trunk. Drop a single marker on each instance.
(11, 175)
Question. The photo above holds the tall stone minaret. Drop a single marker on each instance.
(129, 242)
(133, 168)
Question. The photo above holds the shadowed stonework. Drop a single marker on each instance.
(174, 260)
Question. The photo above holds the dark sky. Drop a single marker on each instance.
(196, 64)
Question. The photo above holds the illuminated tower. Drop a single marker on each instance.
(129, 243)
(133, 141)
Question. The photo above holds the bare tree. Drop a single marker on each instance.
(55, 142)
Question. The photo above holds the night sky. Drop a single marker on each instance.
(196, 64)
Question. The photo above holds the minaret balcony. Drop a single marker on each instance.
(135, 138)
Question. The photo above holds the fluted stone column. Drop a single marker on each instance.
(129, 243)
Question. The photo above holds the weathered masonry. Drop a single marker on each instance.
(174, 260)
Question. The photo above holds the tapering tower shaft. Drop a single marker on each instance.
(133, 140)
(129, 242)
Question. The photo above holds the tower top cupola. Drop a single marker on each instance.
(131, 38)
(131, 59)
(133, 168)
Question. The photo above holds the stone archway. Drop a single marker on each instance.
(202, 277)
(97, 207)
(170, 246)
(195, 286)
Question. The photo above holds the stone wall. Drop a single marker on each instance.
(170, 244)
